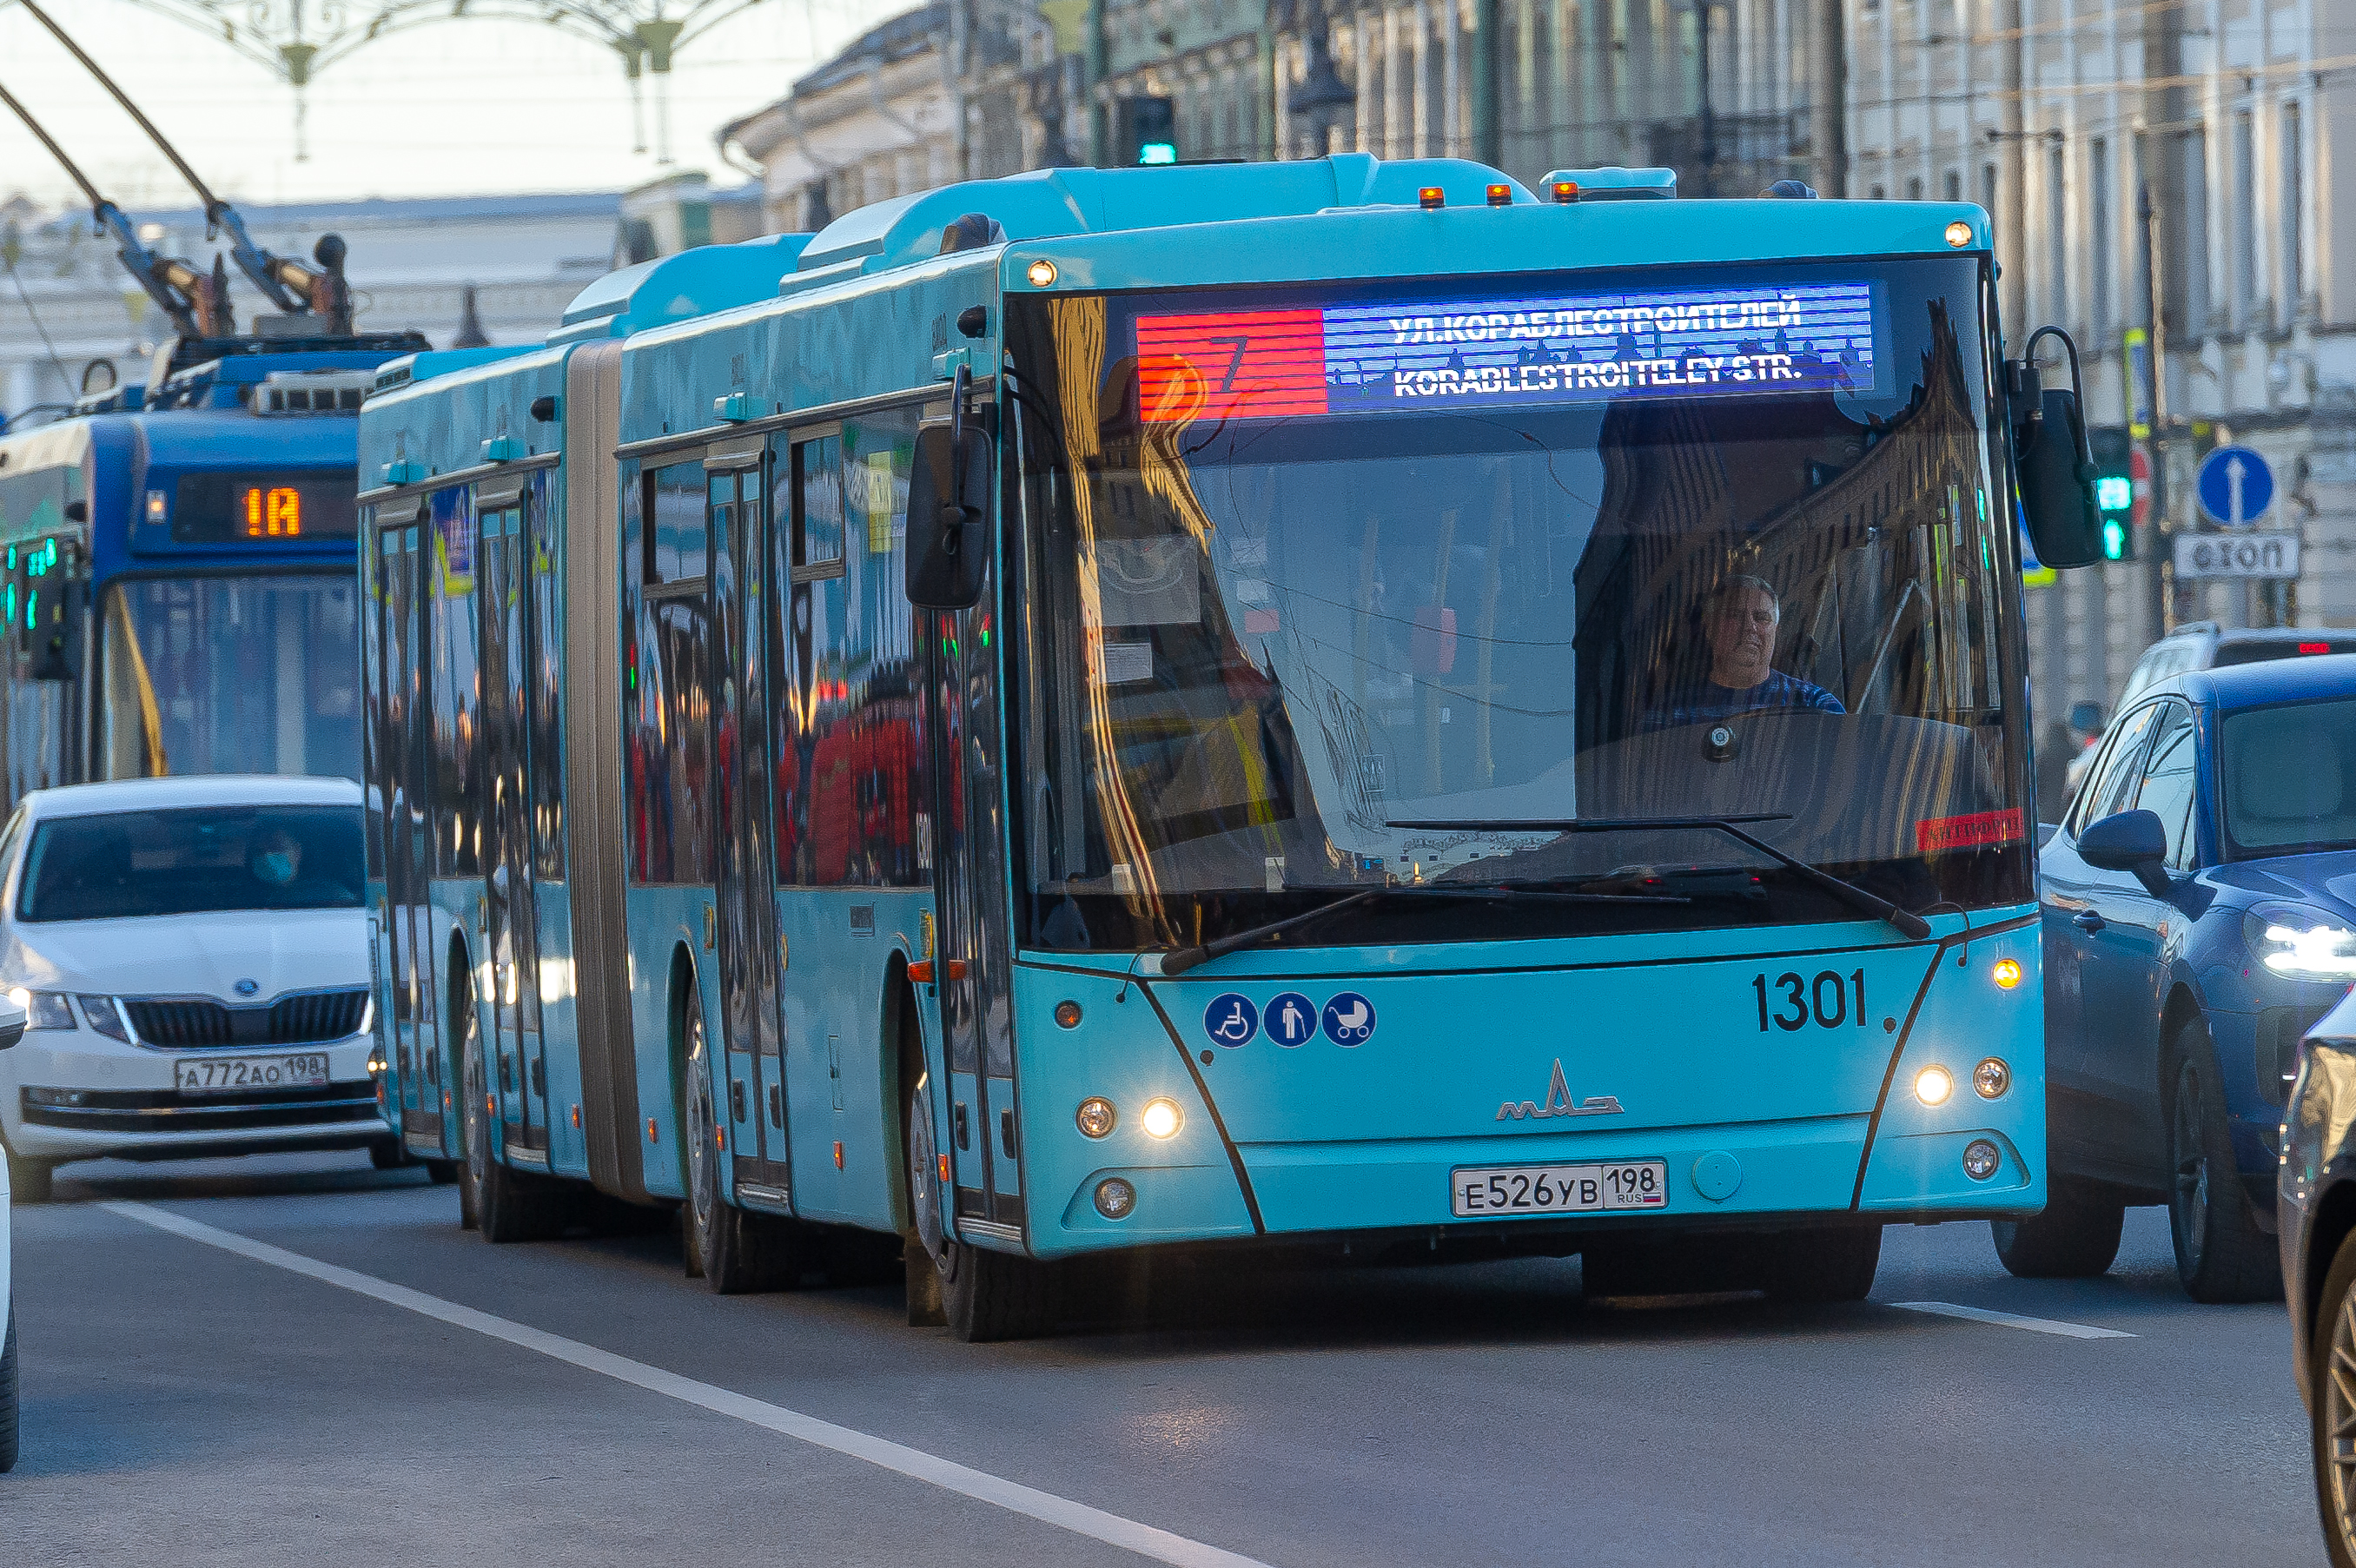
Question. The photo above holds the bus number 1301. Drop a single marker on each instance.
(1832, 999)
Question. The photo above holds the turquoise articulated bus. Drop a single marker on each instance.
(1329, 704)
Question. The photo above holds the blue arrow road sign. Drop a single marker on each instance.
(2236, 487)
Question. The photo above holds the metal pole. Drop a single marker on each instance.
(1708, 118)
(2162, 601)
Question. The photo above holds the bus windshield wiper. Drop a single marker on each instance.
(1178, 961)
(1907, 922)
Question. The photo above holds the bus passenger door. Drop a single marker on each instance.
(408, 952)
(965, 835)
(751, 1027)
(511, 925)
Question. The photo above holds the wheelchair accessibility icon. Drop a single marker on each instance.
(1231, 1020)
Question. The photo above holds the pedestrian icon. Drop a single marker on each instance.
(2236, 487)
(1349, 1019)
(1231, 1020)
(1291, 1019)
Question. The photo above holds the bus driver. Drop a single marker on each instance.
(1739, 622)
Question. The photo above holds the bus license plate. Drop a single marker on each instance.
(1558, 1190)
(227, 1075)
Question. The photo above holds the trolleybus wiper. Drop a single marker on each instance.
(1178, 961)
(1908, 923)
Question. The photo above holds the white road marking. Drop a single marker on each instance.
(1062, 1512)
(2010, 1320)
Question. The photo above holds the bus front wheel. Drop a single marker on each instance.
(1832, 1264)
(984, 1295)
(2076, 1237)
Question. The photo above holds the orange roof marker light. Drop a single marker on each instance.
(1430, 198)
(1565, 191)
(1501, 196)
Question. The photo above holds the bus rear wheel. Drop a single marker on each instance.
(984, 1296)
(734, 1251)
(1834, 1263)
(2076, 1237)
(510, 1206)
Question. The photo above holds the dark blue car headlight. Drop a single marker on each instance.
(2298, 942)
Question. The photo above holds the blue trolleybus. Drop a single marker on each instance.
(177, 570)
(1325, 705)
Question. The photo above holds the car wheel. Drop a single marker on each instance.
(2220, 1253)
(1832, 1264)
(30, 1181)
(2332, 1405)
(735, 1251)
(8, 1396)
(984, 1296)
(2076, 1237)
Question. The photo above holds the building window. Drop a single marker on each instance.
(1881, 193)
(2192, 147)
(2057, 232)
(2294, 200)
(1987, 188)
(2102, 221)
(1914, 190)
(2245, 225)
(1955, 185)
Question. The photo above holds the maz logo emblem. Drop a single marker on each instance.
(247, 987)
(1559, 1104)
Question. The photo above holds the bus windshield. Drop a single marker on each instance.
(229, 674)
(1465, 585)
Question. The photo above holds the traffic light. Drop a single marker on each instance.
(2114, 490)
(1145, 130)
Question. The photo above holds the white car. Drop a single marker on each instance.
(192, 958)
(12, 1029)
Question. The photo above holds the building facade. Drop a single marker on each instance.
(2197, 157)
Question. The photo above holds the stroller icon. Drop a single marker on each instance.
(1231, 1019)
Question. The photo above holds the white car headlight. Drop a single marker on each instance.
(43, 1009)
(2300, 943)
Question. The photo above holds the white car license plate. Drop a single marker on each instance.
(1558, 1190)
(227, 1075)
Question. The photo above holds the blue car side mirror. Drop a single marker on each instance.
(2132, 842)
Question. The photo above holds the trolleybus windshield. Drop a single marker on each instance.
(1326, 586)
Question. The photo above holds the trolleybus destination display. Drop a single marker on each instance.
(1395, 355)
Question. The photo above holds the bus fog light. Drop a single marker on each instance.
(1981, 1159)
(1161, 1119)
(1933, 1084)
(1115, 1197)
(1991, 1078)
(1095, 1116)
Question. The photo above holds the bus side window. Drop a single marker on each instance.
(673, 744)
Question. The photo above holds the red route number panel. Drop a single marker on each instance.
(1244, 364)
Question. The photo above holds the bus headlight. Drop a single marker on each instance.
(1115, 1199)
(1933, 1084)
(1981, 1159)
(2300, 943)
(1161, 1119)
(1095, 1116)
(1991, 1078)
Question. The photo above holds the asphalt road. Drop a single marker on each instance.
(371, 1385)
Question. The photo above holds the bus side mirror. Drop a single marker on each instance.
(2053, 461)
(948, 489)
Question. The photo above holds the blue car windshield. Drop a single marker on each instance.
(2289, 778)
(124, 864)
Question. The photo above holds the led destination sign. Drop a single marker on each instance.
(1543, 350)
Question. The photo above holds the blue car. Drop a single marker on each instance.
(2199, 913)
